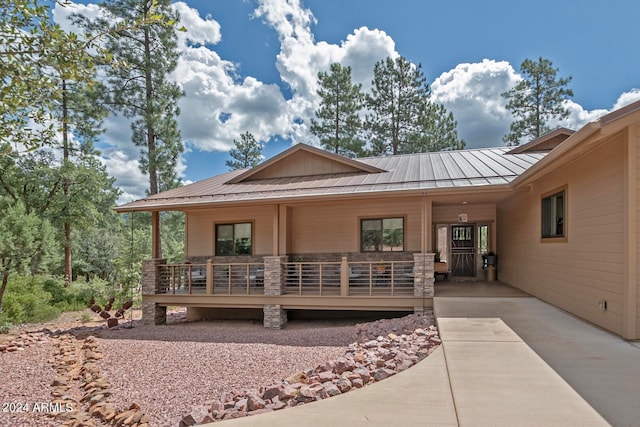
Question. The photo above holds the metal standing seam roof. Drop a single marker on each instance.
(424, 171)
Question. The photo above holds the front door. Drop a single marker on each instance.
(463, 250)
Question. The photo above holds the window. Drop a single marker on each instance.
(553, 215)
(233, 239)
(382, 235)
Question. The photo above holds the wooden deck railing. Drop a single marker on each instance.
(321, 278)
(223, 278)
(343, 278)
(361, 278)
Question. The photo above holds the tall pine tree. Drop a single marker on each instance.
(246, 153)
(339, 125)
(140, 88)
(403, 119)
(539, 97)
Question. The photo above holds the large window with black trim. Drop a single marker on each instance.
(233, 239)
(382, 234)
(554, 212)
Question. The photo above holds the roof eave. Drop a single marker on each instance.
(543, 165)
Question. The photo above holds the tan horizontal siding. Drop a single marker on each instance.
(335, 226)
(201, 226)
(574, 275)
(475, 212)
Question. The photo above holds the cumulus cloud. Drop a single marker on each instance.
(301, 57)
(472, 93)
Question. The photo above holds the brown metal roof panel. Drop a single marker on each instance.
(451, 167)
(502, 164)
(478, 163)
(459, 165)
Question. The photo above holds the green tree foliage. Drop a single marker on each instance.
(25, 241)
(36, 181)
(438, 132)
(138, 85)
(247, 152)
(36, 56)
(539, 97)
(403, 119)
(28, 39)
(339, 125)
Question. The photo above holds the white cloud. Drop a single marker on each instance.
(129, 178)
(627, 98)
(301, 57)
(472, 93)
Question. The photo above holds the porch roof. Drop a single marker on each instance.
(484, 168)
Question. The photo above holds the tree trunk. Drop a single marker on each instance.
(68, 274)
(151, 149)
(3, 286)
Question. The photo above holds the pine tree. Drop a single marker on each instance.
(246, 154)
(339, 125)
(539, 97)
(438, 132)
(403, 119)
(140, 87)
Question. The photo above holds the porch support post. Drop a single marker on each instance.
(275, 317)
(152, 313)
(156, 248)
(423, 277)
(426, 229)
(276, 231)
(209, 279)
(344, 277)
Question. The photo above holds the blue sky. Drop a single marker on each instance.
(255, 64)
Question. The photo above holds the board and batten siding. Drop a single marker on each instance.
(589, 266)
(325, 227)
(201, 228)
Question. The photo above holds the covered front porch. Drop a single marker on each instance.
(277, 285)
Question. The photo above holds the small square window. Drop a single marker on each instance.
(554, 215)
(233, 239)
(382, 235)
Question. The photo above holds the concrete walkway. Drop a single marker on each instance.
(603, 368)
(489, 372)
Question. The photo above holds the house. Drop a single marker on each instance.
(311, 230)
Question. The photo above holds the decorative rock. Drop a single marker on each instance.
(287, 392)
(325, 376)
(241, 405)
(383, 373)
(254, 403)
(299, 377)
(343, 384)
(357, 383)
(271, 392)
(329, 390)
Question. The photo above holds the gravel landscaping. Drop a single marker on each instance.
(170, 369)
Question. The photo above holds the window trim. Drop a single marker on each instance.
(215, 236)
(555, 239)
(381, 218)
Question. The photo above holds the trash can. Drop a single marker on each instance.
(491, 273)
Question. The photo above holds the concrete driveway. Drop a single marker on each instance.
(603, 368)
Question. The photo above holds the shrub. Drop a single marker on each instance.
(25, 300)
(86, 317)
(5, 324)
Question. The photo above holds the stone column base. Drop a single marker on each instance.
(275, 317)
(153, 314)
